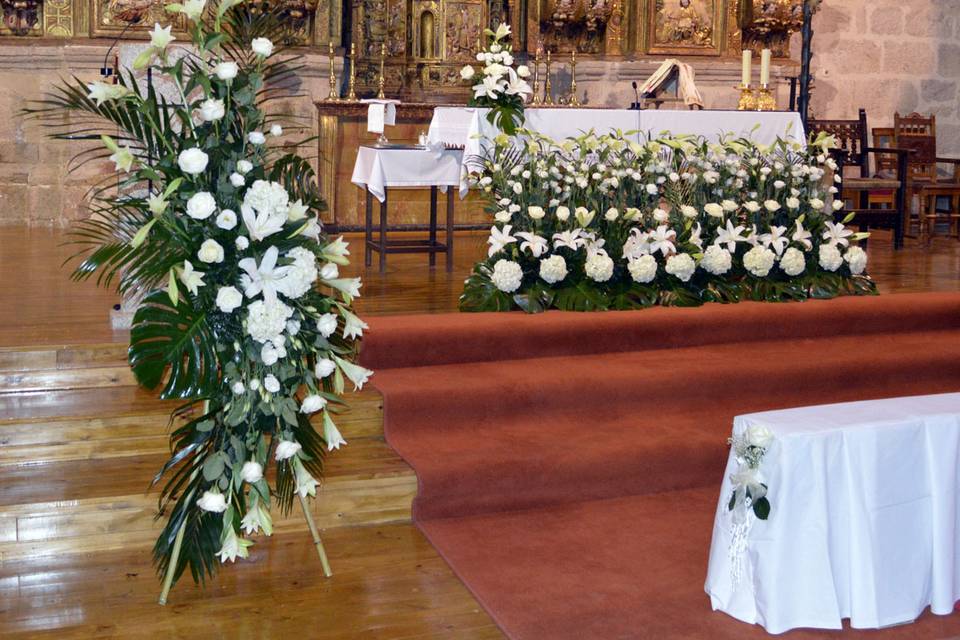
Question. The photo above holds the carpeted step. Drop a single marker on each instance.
(417, 340)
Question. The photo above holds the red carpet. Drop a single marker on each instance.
(569, 463)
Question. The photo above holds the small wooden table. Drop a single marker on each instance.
(379, 169)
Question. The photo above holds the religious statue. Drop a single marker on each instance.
(129, 11)
(683, 21)
(580, 25)
(21, 16)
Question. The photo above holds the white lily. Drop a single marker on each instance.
(537, 245)
(695, 238)
(661, 239)
(776, 239)
(499, 238)
(257, 518)
(191, 278)
(752, 238)
(802, 236)
(331, 434)
(571, 239)
(263, 278)
(353, 326)
(489, 88)
(233, 546)
(638, 244)
(305, 484)
(350, 286)
(101, 92)
(263, 224)
(836, 233)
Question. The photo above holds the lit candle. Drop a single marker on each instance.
(747, 61)
(765, 67)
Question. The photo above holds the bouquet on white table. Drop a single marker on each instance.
(498, 85)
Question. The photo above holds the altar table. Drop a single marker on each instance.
(865, 517)
(378, 169)
(468, 127)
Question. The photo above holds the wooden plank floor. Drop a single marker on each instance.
(76, 437)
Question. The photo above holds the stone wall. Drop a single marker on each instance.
(887, 56)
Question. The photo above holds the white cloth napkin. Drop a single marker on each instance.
(381, 113)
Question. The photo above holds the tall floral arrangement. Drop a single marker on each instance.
(499, 86)
(610, 222)
(244, 317)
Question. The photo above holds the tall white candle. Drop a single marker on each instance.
(746, 73)
(765, 66)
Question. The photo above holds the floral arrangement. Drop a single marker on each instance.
(609, 222)
(499, 86)
(219, 233)
(749, 491)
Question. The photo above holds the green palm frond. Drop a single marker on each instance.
(299, 179)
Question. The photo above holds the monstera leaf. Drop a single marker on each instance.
(175, 338)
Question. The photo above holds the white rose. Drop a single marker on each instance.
(237, 179)
(837, 205)
(643, 269)
(563, 213)
(201, 205)
(227, 220)
(242, 243)
(688, 211)
(660, 215)
(752, 206)
(213, 502)
(758, 261)
(325, 366)
(857, 259)
(729, 205)
(553, 269)
(507, 275)
(226, 70)
(652, 189)
(327, 325)
(212, 109)
(502, 216)
(271, 384)
(681, 265)
(262, 47)
(313, 403)
(286, 450)
(244, 166)
(771, 206)
(612, 214)
(276, 130)
(467, 72)
(251, 472)
(759, 436)
(523, 71)
(816, 203)
(192, 161)
(228, 299)
(210, 251)
(793, 263)
(714, 209)
(793, 203)
(255, 137)
(536, 212)
(238, 387)
(829, 257)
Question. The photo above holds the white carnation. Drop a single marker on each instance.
(553, 269)
(599, 267)
(213, 502)
(688, 211)
(228, 299)
(830, 258)
(267, 320)
(793, 262)
(716, 260)
(759, 260)
(681, 265)
(857, 259)
(507, 275)
(201, 205)
(287, 449)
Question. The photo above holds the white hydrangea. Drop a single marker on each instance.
(830, 258)
(507, 275)
(599, 267)
(759, 260)
(299, 276)
(553, 269)
(681, 265)
(643, 269)
(267, 320)
(857, 259)
(793, 262)
(716, 260)
(267, 197)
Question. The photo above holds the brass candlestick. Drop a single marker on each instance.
(535, 100)
(351, 89)
(380, 80)
(748, 101)
(574, 101)
(547, 86)
(765, 99)
(334, 95)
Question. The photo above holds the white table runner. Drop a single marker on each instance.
(376, 169)
(865, 519)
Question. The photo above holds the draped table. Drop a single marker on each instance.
(865, 518)
(468, 127)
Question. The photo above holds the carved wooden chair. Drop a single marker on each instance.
(884, 166)
(919, 134)
(853, 157)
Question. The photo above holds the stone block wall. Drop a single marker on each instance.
(888, 56)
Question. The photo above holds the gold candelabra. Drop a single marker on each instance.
(334, 95)
(535, 100)
(547, 86)
(352, 87)
(748, 100)
(765, 99)
(573, 101)
(381, 81)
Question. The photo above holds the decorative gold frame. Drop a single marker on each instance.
(715, 46)
(104, 25)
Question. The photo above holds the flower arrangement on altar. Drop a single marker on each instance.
(219, 232)
(609, 222)
(498, 85)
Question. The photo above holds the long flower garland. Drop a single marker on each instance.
(220, 234)
(606, 222)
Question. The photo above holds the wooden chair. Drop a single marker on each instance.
(919, 134)
(853, 153)
(885, 166)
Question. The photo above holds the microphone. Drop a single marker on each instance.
(636, 92)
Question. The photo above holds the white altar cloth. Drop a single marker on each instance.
(470, 128)
(379, 168)
(865, 518)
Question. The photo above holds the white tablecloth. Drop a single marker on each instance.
(865, 519)
(469, 126)
(376, 169)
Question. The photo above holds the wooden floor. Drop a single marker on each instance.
(79, 443)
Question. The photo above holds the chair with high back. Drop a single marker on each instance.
(919, 134)
(885, 166)
(853, 154)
